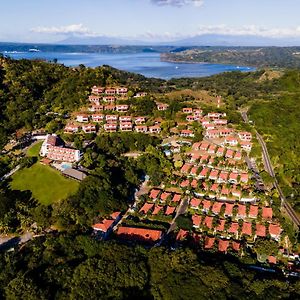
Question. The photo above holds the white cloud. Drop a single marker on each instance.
(178, 3)
(223, 29)
(162, 36)
(76, 29)
(250, 30)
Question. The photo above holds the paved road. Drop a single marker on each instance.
(143, 189)
(269, 168)
(284, 203)
(10, 173)
(7, 242)
(180, 210)
(253, 167)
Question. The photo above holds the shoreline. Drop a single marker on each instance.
(251, 68)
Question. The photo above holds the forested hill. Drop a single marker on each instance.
(65, 261)
(30, 89)
(275, 57)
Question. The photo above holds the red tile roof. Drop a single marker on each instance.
(242, 210)
(234, 227)
(267, 212)
(211, 148)
(223, 245)
(223, 175)
(272, 259)
(164, 195)
(209, 242)
(238, 155)
(244, 177)
(214, 187)
(185, 183)
(182, 235)
(194, 170)
(253, 212)
(195, 202)
(204, 146)
(274, 229)
(185, 168)
(206, 204)
(204, 172)
(229, 153)
(228, 209)
(115, 215)
(204, 157)
(194, 183)
(260, 230)
(225, 191)
(208, 221)
(233, 176)
(170, 210)
(216, 208)
(220, 150)
(213, 174)
(176, 198)
(144, 234)
(154, 194)
(146, 207)
(247, 228)
(221, 225)
(196, 146)
(157, 209)
(236, 246)
(196, 220)
(104, 225)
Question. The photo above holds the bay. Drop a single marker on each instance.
(147, 64)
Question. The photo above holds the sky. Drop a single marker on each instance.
(149, 20)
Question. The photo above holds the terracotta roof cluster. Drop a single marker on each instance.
(140, 234)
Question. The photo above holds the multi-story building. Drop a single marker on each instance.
(89, 128)
(97, 90)
(126, 126)
(82, 118)
(51, 150)
(71, 128)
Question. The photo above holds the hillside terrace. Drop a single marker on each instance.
(226, 215)
(109, 123)
(156, 210)
(230, 223)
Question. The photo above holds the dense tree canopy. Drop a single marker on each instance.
(69, 267)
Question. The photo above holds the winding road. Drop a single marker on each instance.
(269, 168)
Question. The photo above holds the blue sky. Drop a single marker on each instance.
(50, 21)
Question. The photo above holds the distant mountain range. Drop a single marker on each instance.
(199, 40)
(100, 40)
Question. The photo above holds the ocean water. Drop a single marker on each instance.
(147, 64)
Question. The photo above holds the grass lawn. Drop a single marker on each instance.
(46, 184)
(34, 150)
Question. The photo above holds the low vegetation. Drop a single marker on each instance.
(34, 150)
(46, 184)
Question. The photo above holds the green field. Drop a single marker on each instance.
(46, 184)
(34, 150)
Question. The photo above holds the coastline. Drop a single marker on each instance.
(169, 60)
